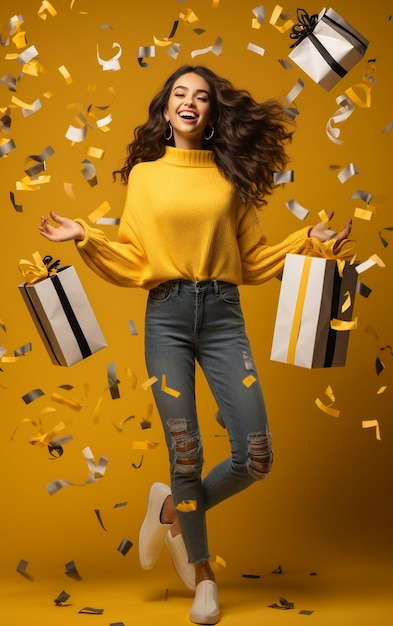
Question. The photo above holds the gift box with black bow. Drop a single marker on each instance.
(60, 310)
(326, 47)
(314, 314)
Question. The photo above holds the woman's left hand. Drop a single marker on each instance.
(323, 234)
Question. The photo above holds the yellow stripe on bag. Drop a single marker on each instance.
(297, 317)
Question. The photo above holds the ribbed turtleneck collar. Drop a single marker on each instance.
(189, 158)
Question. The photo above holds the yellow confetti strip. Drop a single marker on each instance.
(99, 212)
(96, 153)
(249, 380)
(21, 104)
(20, 40)
(347, 302)
(186, 506)
(342, 325)
(327, 408)
(364, 214)
(168, 390)
(276, 16)
(45, 438)
(324, 218)
(71, 404)
(144, 445)
(220, 561)
(148, 383)
(97, 409)
(372, 424)
(44, 8)
(131, 374)
(363, 100)
(381, 389)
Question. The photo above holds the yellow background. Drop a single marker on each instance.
(327, 503)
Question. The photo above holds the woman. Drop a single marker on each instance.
(197, 171)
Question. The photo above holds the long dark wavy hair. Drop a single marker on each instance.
(248, 142)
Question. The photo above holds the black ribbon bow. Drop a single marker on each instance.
(304, 27)
(47, 260)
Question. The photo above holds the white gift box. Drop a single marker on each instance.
(312, 294)
(63, 316)
(329, 49)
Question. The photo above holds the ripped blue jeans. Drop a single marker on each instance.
(189, 322)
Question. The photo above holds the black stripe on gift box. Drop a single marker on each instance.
(336, 67)
(71, 317)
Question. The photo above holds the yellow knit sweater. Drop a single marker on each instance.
(183, 219)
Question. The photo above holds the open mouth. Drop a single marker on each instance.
(188, 115)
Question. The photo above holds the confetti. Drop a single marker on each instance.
(27, 347)
(113, 381)
(144, 445)
(98, 516)
(254, 48)
(45, 9)
(113, 63)
(32, 395)
(6, 145)
(186, 506)
(280, 178)
(371, 261)
(387, 128)
(71, 571)
(372, 424)
(347, 172)
(382, 239)
(277, 16)
(260, 15)
(22, 567)
(65, 74)
(216, 48)
(249, 380)
(70, 404)
(61, 598)
(285, 64)
(132, 327)
(89, 173)
(75, 134)
(283, 605)
(168, 390)
(139, 465)
(145, 52)
(97, 470)
(99, 212)
(148, 383)
(297, 209)
(341, 115)
(294, 92)
(122, 423)
(124, 546)
(328, 408)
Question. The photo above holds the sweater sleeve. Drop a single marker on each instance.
(121, 263)
(261, 261)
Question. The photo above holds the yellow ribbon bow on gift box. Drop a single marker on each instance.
(32, 272)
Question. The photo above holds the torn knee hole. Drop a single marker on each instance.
(260, 455)
(186, 446)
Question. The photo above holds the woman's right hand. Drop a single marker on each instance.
(66, 230)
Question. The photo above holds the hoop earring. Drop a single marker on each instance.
(166, 136)
(211, 134)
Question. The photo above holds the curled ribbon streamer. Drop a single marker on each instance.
(304, 27)
(356, 99)
(40, 268)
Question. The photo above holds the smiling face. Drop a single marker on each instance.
(189, 110)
